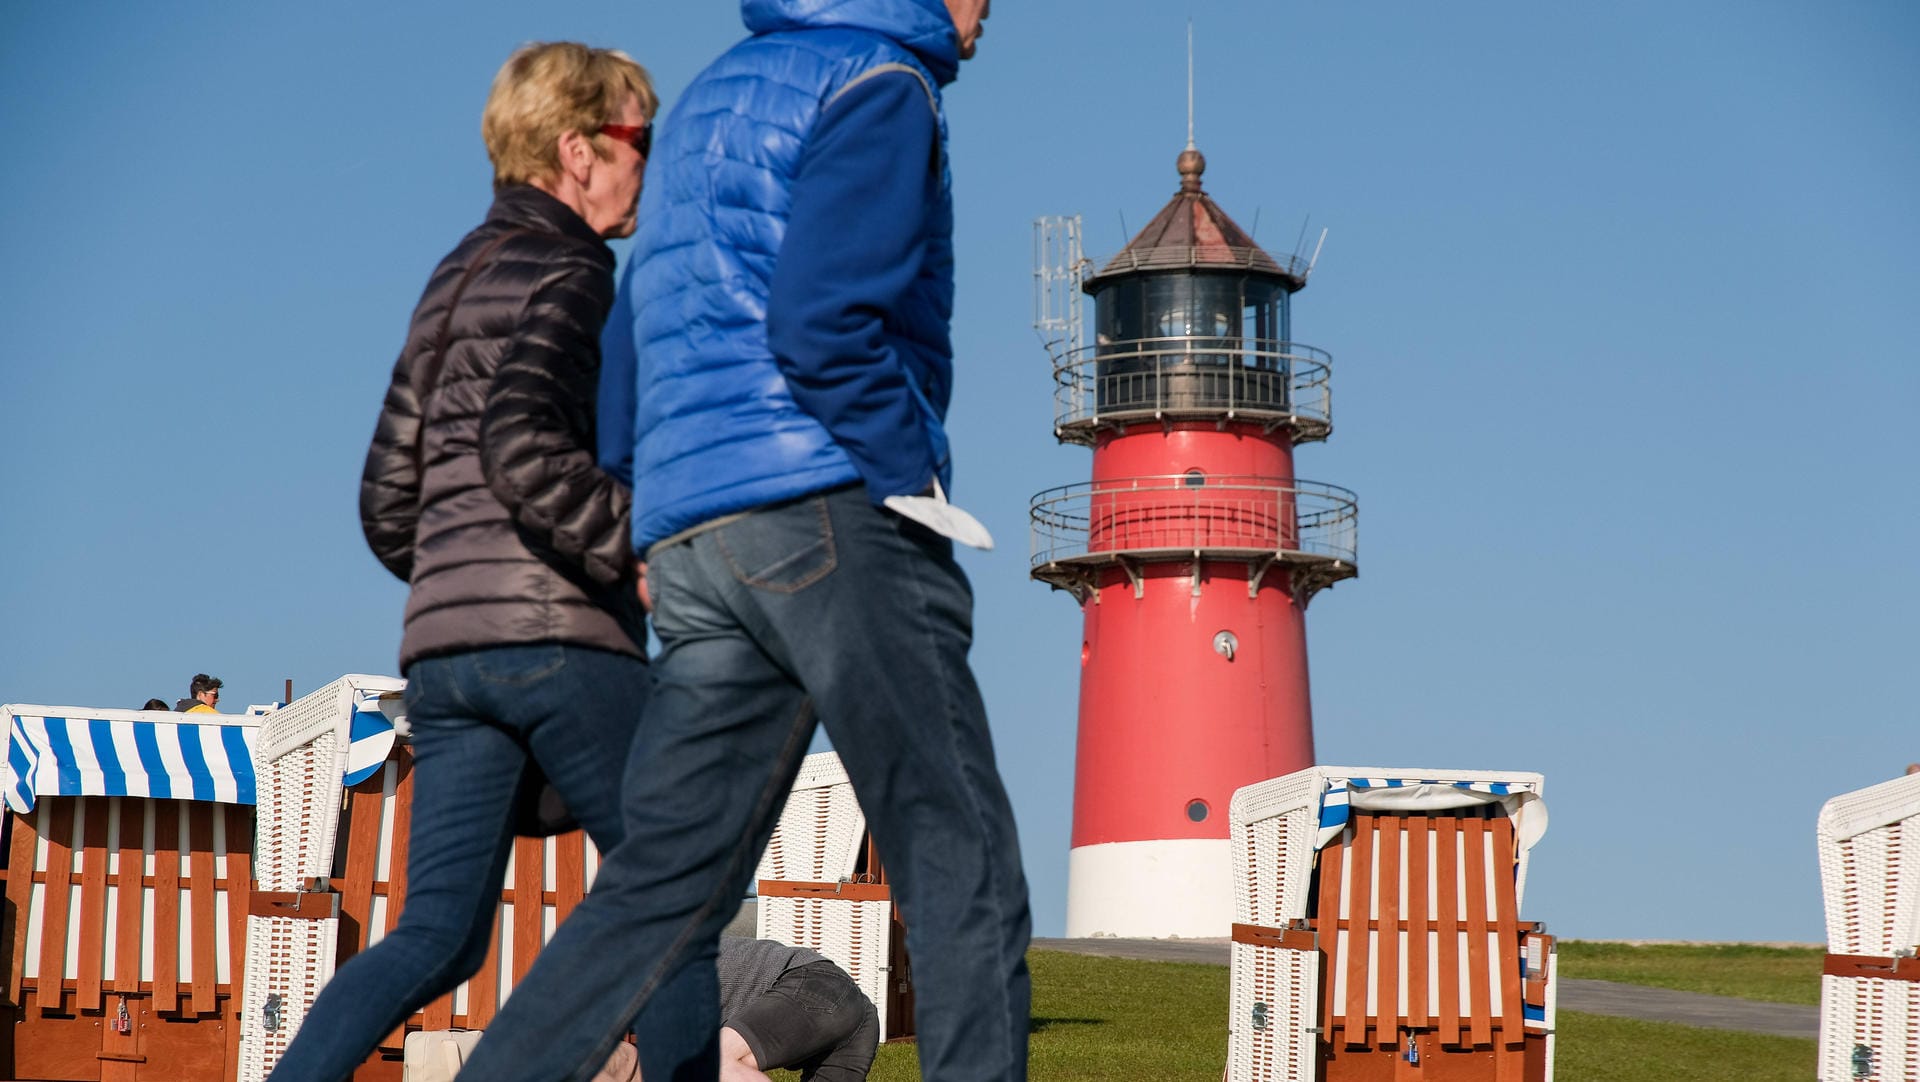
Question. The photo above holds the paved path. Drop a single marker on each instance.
(1592, 997)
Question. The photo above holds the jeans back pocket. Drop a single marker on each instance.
(784, 549)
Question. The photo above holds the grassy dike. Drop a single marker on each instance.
(1126, 1021)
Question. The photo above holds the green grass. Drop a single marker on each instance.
(1768, 974)
(1100, 1019)
(1596, 1048)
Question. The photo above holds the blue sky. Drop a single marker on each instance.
(1620, 300)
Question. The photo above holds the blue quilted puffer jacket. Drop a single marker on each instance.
(716, 429)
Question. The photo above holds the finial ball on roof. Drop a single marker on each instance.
(1192, 163)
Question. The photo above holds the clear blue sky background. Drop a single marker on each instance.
(1621, 300)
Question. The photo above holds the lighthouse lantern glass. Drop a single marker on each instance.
(1207, 306)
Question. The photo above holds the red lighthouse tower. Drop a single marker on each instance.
(1193, 552)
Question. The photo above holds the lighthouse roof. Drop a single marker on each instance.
(1192, 232)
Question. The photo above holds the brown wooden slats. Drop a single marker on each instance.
(26, 843)
(363, 852)
(132, 896)
(1359, 912)
(1447, 876)
(569, 872)
(200, 896)
(1473, 833)
(239, 888)
(1327, 922)
(1419, 921)
(166, 905)
(53, 928)
(483, 991)
(529, 908)
(93, 902)
(1507, 927)
(1387, 979)
(397, 857)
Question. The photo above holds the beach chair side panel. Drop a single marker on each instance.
(1275, 961)
(1870, 880)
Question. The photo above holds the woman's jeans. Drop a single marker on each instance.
(475, 717)
(828, 606)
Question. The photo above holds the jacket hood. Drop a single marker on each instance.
(921, 26)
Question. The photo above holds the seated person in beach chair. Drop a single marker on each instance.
(783, 1007)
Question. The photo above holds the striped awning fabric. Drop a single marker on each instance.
(76, 751)
(1430, 793)
(66, 751)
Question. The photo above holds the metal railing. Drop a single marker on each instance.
(1226, 378)
(1190, 515)
(1203, 255)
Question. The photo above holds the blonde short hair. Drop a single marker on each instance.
(547, 89)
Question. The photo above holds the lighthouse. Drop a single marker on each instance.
(1192, 552)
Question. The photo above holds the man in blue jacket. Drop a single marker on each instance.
(785, 325)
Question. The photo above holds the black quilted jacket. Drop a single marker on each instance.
(510, 533)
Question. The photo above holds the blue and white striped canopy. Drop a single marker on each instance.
(76, 751)
(1336, 804)
(65, 751)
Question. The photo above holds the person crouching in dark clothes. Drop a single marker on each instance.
(784, 1006)
(781, 1007)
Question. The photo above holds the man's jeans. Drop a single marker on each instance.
(824, 605)
(475, 717)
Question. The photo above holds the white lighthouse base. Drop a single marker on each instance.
(1150, 890)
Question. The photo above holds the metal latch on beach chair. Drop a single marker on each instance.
(317, 902)
(1900, 966)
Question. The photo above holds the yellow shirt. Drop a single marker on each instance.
(201, 708)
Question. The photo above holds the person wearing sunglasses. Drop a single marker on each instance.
(203, 695)
(785, 328)
(524, 633)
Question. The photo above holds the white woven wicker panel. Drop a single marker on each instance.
(1271, 1024)
(821, 829)
(298, 760)
(1870, 881)
(1870, 868)
(856, 936)
(291, 958)
(1273, 825)
(1869, 1025)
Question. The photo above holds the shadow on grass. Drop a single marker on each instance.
(1038, 1024)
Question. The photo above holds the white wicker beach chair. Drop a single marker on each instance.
(1377, 917)
(808, 893)
(1869, 843)
(292, 930)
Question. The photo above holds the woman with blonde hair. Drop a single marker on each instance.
(524, 641)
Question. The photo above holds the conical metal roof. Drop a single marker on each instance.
(1192, 232)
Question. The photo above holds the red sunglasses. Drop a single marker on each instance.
(637, 136)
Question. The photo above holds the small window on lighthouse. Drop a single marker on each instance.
(1194, 478)
(1197, 810)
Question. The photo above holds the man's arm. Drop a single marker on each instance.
(617, 396)
(534, 432)
(855, 241)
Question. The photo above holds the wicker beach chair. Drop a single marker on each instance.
(300, 761)
(1869, 845)
(822, 887)
(127, 888)
(1377, 931)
